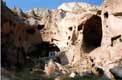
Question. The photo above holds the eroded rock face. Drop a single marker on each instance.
(112, 6)
(71, 33)
(76, 7)
(111, 21)
(76, 33)
(18, 37)
(111, 39)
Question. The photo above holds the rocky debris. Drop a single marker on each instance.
(50, 68)
(72, 75)
(117, 71)
(107, 58)
(75, 39)
(54, 69)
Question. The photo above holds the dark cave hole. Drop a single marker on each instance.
(106, 14)
(99, 12)
(30, 31)
(68, 37)
(92, 33)
(117, 14)
(43, 49)
(80, 27)
(70, 28)
(40, 27)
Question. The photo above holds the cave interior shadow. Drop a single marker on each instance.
(92, 34)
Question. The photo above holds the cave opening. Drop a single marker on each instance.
(92, 34)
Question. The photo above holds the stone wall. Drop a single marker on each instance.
(78, 34)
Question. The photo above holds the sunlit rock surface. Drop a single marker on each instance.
(75, 38)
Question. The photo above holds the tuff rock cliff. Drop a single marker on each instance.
(74, 39)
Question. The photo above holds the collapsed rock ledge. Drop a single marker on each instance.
(76, 39)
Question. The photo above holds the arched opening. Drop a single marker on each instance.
(92, 33)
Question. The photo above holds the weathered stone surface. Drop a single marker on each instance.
(77, 7)
(107, 58)
(17, 36)
(112, 6)
(69, 32)
(111, 20)
(40, 12)
(85, 41)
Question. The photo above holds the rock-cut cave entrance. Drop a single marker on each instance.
(92, 34)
